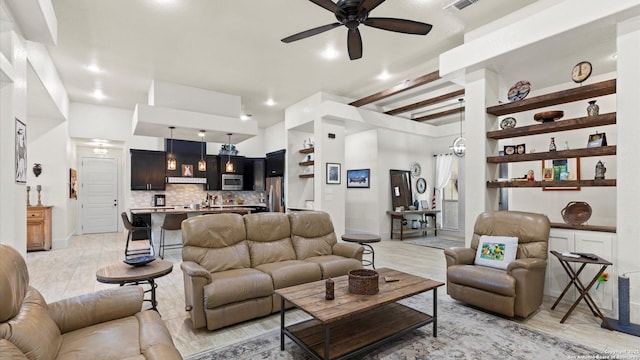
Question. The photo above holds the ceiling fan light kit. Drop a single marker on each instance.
(352, 13)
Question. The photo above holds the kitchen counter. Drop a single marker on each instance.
(244, 209)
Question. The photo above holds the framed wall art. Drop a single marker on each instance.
(358, 178)
(333, 173)
(73, 184)
(187, 170)
(562, 170)
(21, 152)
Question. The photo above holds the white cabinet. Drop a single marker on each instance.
(599, 243)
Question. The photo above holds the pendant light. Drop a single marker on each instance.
(171, 159)
(229, 166)
(202, 165)
(458, 147)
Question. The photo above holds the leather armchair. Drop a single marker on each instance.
(107, 324)
(516, 291)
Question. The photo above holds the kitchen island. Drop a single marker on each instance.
(156, 216)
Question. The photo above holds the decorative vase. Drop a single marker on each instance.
(37, 169)
(552, 145)
(329, 293)
(593, 109)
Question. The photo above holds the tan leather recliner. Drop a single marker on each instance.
(107, 324)
(516, 291)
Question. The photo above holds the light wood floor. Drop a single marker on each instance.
(63, 273)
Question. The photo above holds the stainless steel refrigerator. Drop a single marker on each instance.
(275, 194)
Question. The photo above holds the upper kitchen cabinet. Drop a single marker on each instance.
(147, 170)
(237, 161)
(275, 163)
(186, 153)
(254, 173)
(213, 173)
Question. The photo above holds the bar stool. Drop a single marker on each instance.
(364, 240)
(131, 229)
(171, 222)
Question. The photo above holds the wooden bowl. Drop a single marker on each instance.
(548, 116)
(576, 213)
(363, 282)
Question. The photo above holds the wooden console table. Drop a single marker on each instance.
(400, 215)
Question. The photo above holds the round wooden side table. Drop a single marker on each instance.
(124, 274)
(364, 240)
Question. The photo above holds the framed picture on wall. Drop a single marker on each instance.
(21, 152)
(561, 170)
(358, 178)
(333, 173)
(73, 184)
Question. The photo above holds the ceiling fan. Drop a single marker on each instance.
(352, 13)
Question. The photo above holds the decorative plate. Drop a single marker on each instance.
(421, 185)
(576, 212)
(415, 169)
(139, 260)
(548, 116)
(519, 91)
(508, 123)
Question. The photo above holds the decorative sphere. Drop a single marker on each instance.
(459, 147)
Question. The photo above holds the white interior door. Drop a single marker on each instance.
(99, 194)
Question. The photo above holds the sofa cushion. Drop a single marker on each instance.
(496, 251)
(334, 265)
(32, 330)
(236, 285)
(312, 233)
(217, 242)
(291, 272)
(310, 247)
(269, 238)
(484, 278)
(116, 339)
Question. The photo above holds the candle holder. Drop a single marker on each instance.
(39, 188)
(28, 196)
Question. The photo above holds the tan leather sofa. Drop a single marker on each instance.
(232, 264)
(103, 325)
(516, 291)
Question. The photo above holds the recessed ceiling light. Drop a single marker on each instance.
(384, 75)
(94, 68)
(330, 53)
(270, 102)
(98, 94)
(245, 117)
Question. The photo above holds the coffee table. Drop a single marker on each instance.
(352, 325)
(124, 274)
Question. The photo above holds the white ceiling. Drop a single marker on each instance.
(234, 47)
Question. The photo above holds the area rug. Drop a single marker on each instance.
(463, 333)
(435, 242)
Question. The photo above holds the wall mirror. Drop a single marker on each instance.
(400, 189)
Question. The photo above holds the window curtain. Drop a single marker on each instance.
(443, 174)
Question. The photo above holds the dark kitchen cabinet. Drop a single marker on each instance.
(275, 163)
(213, 173)
(254, 172)
(147, 170)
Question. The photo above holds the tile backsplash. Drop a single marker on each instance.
(186, 194)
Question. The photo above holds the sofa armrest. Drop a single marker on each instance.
(195, 278)
(527, 264)
(155, 339)
(348, 250)
(94, 308)
(10, 351)
(459, 256)
(193, 269)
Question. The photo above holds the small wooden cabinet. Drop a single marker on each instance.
(38, 228)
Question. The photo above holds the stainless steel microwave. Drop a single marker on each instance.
(231, 182)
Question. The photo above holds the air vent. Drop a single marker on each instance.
(460, 4)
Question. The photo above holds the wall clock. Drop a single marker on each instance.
(415, 169)
(421, 185)
(581, 71)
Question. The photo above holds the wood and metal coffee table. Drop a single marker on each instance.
(124, 274)
(352, 325)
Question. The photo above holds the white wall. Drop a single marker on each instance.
(275, 137)
(330, 197)
(362, 205)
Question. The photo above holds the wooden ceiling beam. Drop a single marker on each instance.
(407, 85)
(425, 103)
(439, 114)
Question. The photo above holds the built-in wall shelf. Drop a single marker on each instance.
(307, 151)
(306, 163)
(561, 125)
(590, 91)
(305, 176)
(550, 155)
(549, 184)
(611, 229)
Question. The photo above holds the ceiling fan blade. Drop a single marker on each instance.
(327, 4)
(369, 5)
(310, 32)
(399, 25)
(354, 44)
